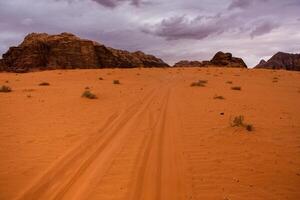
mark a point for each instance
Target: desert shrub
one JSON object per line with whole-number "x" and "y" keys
{"x": 219, "y": 97}
{"x": 44, "y": 84}
{"x": 89, "y": 95}
{"x": 249, "y": 127}
{"x": 275, "y": 79}
{"x": 100, "y": 78}
{"x": 229, "y": 82}
{"x": 200, "y": 83}
{"x": 5, "y": 88}
{"x": 238, "y": 121}
{"x": 236, "y": 88}
{"x": 116, "y": 82}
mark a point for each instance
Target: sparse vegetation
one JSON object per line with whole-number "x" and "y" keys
{"x": 219, "y": 97}
{"x": 236, "y": 88}
{"x": 229, "y": 82}
{"x": 5, "y": 89}
{"x": 200, "y": 83}
{"x": 116, "y": 82}
{"x": 100, "y": 78}
{"x": 238, "y": 121}
{"x": 89, "y": 95}
{"x": 44, "y": 84}
{"x": 275, "y": 79}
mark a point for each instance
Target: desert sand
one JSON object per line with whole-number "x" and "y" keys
{"x": 151, "y": 137}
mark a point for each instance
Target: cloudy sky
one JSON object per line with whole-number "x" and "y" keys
{"x": 170, "y": 29}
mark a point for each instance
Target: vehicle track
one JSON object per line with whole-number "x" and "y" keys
{"x": 59, "y": 178}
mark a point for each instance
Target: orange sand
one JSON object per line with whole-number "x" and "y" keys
{"x": 151, "y": 137}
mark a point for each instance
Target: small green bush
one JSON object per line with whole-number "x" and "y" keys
{"x": 5, "y": 89}
{"x": 89, "y": 95}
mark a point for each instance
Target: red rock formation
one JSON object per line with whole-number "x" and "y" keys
{"x": 66, "y": 51}
{"x": 226, "y": 60}
{"x": 281, "y": 61}
{"x": 186, "y": 63}
{"x": 220, "y": 60}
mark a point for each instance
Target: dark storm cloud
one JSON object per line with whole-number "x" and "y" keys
{"x": 240, "y": 4}
{"x": 263, "y": 28}
{"x": 114, "y": 3}
{"x": 183, "y": 28}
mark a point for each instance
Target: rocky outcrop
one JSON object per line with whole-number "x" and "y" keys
{"x": 282, "y": 60}
{"x": 261, "y": 63}
{"x": 40, "y": 51}
{"x": 186, "y": 63}
{"x": 219, "y": 60}
{"x": 227, "y": 60}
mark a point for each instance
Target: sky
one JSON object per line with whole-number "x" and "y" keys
{"x": 169, "y": 29}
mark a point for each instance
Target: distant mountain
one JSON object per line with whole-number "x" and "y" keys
{"x": 220, "y": 60}
{"x": 40, "y": 51}
{"x": 282, "y": 60}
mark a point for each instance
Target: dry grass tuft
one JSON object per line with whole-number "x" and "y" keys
{"x": 200, "y": 83}
{"x": 219, "y": 97}
{"x": 116, "y": 82}
{"x": 89, "y": 95}
{"x": 238, "y": 121}
{"x": 44, "y": 84}
{"x": 5, "y": 89}
{"x": 236, "y": 88}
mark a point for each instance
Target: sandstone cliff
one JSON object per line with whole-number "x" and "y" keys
{"x": 40, "y": 51}
{"x": 220, "y": 60}
{"x": 186, "y": 63}
{"x": 282, "y": 61}
{"x": 227, "y": 60}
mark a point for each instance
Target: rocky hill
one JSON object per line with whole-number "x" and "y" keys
{"x": 227, "y": 60}
{"x": 220, "y": 60}
{"x": 281, "y": 60}
{"x": 186, "y": 63}
{"x": 41, "y": 51}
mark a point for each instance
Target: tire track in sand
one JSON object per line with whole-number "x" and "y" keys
{"x": 58, "y": 180}
{"x": 159, "y": 173}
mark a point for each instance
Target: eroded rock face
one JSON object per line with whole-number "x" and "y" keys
{"x": 219, "y": 60}
{"x": 186, "y": 63}
{"x": 261, "y": 63}
{"x": 282, "y": 60}
{"x": 227, "y": 60}
{"x": 40, "y": 51}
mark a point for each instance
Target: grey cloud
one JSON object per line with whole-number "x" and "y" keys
{"x": 263, "y": 28}
{"x": 114, "y": 3}
{"x": 240, "y": 4}
{"x": 181, "y": 27}
{"x": 244, "y": 4}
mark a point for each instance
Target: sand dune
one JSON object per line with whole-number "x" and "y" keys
{"x": 151, "y": 137}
